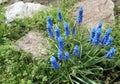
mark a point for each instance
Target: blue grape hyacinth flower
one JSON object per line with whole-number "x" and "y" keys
{"x": 110, "y": 53}
{"x": 53, "y": 59}
{"x": 49, "y": 21}
{"x": 106, "y": 36}
{"x": 108, "y": 31}
{"x": 60, "y": 43}
{"x": 92, "y": 35}
{"x": 50, "y": 32}
{"x": 96, "y": 38}
{"x": 57, "y": 31}
{"x": 104, "y": 39}
{"x": 80, "y": 16}
{"x": 66, "y": 27}
{"x": 100, "y": 25}
{"x": 54, "y": 63}
{"x": 99, "y": 28}
{"x": 73, "y": 30}
{"x": 109, "y": 41}
{"x": 60, "y": 55}
{"x": 76, "y": 51}
{"x": 67, "y": 56}
{"x": 59, "y": 15}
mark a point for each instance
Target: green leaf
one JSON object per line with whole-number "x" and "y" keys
{"x": 29, "y": 82}
{"x": 2, "y": 17}
{"x": 79, "y": 80}
{"x": 44, "y": 78}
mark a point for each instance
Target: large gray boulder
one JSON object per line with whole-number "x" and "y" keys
{"x": 21, "y": 10}
{"x": 34, "y": 43}
{"x": 95, "y": 11}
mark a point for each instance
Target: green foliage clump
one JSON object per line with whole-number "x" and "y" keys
{"x": 92, "y": 64}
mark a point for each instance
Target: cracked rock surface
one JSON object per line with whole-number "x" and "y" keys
{"x": 95, "y": 11}
{"x": 34, "y": 43}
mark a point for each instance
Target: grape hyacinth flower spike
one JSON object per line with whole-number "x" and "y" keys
{"x": 66, "y": 27}
{"x": 59, "y": 16}
{"x": 73, "y": 30}
{"x": 60, "y": 55}
{"x": 99, "y": 28}
{"x": 57, "y": 31}
{"x": 50, "y": 32}
{"x": 100, "y": 25}
{"x": 108, "y": 31}
{"x": 76, "y": 51}
{"x": 60, "y": 43}
{"x": 110, "y": 53}
{"x": 105, "y": 37}
{"x": 96, "y": 38}
{"x": 80, "y": 16}
{"x": 67, "y": 56}
{"x": 54, "y": 63}
{"x": 109, "y": 41}
{"x": 92, "y": 35}
{"x": 49, "y": 20}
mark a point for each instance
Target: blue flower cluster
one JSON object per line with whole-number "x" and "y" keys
{"x": 59, "y": 39}
{"x": 65, "y": 24}
{"x": 95, "y": 34}
{"x": 95, "y": 38}
{"x": 106, "y": 39}
{"x": 61, "y": 56}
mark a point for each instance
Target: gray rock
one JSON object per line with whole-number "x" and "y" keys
{"x": 34, "y": 43}
{"x": 117, "y": 82}
{"x": 2, "y": 1}
{"x": 95, "y": 11}
{"x": 21, "y": 10}
{"x": 35, "y": 1}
